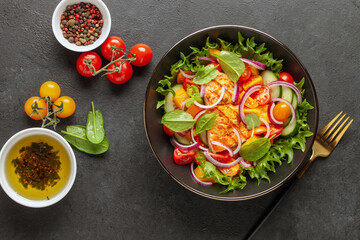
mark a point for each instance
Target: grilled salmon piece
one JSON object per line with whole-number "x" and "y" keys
{"x": 228, "y": 119}
{"x": 213, "y": 90}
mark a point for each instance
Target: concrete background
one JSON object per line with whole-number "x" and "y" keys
{"x": 125, "y": 194}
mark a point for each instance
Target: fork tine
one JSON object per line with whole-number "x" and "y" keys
{"x": 326, "y": 128}
{"x": 337, "y": 139}
{"x": 333, "y": 135}
{"x": 322, "y": 131}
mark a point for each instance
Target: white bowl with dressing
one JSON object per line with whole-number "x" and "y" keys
{"x": 31, "y": 197}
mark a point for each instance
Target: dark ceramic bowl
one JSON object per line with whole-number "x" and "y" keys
{"x": 160, "y": 143}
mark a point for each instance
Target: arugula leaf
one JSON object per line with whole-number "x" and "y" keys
{"x": 252, "y": 120}
{"x": 206, "y": 122}
{"x": 231, "y": 64}
{"x": 164, "y": 89}
{"x": 178, "y": 120}
{"x": 206, "y": 75}
{"x": 194, "y": 94}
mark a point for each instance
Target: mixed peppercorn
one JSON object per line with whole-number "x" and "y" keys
{"x": 37, "y": 166}
{"x": 81, "y": 23}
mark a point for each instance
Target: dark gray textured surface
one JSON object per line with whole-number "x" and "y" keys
{"x": 125, "y": 194}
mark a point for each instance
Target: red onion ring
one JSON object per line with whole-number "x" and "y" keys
{"x": 256, "y": 64}
{"x": 195, "y": 177}
{"x": 184, "y": 148}
{"x": 202, "y": 90}
{"x": 267, "y": 127}
{"x": 217, "y": 102}
{"x": 219, "y": 164}
{"x": 271, "y": 108}
{"x": 290, "y": 85}
{"x": 224, "y": 146}
{"x": 248, "y": 92}
{"x": 187, "y": 75}
{"x": 181, "y": 134}
{"x": 235, "y": 95}
{"x": 207, "y": 59}
{"x": 245, "y": 164}
{"x": 239, "y": 141}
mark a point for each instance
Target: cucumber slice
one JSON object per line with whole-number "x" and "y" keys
{"x": 294, "y": 100}
{"x": 182, "y": 140}
{"x": 287, "y": 94}
{"x": 203, "y": 138}
{"x": 275, "y": 91}
{"x": 291, "y": 129}
{"x": 169, "y": 99}
{"x": 268, "y": 77}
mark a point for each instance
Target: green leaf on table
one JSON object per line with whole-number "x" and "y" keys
{"x": 178, "y": 120}
{"x": 95, "y": 131}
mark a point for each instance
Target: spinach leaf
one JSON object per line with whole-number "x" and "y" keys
{"x": 194, "y": 94}
{"x": 206, "y": 75}
{"x": 95, "y": 131}
{"x": 178, "y": 120}
{"x": 76, "y": 136}
{"x": 252, "y": 120}
{"x": 255, "y": 150}
{"x": 206, "y": 122}
{"x": 231, "y": 64}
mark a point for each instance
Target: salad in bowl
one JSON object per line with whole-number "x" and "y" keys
{"x": 231, "y": 112}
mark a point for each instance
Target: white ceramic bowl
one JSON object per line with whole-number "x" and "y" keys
{"x": 5, "y": 151}
{"x": 71, "y": 46}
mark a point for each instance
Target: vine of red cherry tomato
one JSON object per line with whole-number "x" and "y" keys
{"x": 119, "y": 70}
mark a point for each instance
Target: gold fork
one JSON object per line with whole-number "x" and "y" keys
{"x": 325, "y": 142}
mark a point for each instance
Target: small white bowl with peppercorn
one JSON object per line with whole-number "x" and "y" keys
{"x": 81, "y": 26}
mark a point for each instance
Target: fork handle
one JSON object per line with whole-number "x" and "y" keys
{"x": 312, "y": 158}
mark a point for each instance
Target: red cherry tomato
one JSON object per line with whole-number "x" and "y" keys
{"x": 180, "y": 78}
{"x": 246, "y": 74}
{"x": 110, "y": 48}
{"x": 187, "y": 82}
{"x": 216, "y": 65}
{"x": 183, "y": 158}
{"x": 284, "y": 76}
{"x": 275, "y": 131}
{"x": 262, "y": 96}
{"x": 143, "y": 54}
{"x": 168, "y": 131}
{"x": 84, "y": 62}
{"x": 123, "y": 76}
{"x": 221, "y": 157}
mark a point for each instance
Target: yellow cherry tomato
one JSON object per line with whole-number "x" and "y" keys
{"x": 51, "y": 89}
{"x": 40, "y": 104}
{"x": 69, "y": 106}
{"x": 281, "y": 111}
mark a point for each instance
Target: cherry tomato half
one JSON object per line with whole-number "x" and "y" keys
{"x": 275, "y": 131}
{"x": 246, "y": 74}
{"x": 110, "y": 48}
{"x": 51, "y": 89}
{"x": 183, "y": 158}
{"x": 221, "y": 157}
{"x": 123, "y": 76}
{"x": 68, "y": 104}
{"x": 284, "y": 76}
{"x": 187, "y": 82}
{"x": 262, "y": 96}
{"x": 216, "y": 65}
{"x": 180, "y": 77}
{"x": 93, "y": 58}
{"x": 143, "y": 54}
{"x": 40, "y": 104}
{"x": 168, "y": 131}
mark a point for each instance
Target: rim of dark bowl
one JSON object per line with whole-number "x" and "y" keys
{"x": 307, "y": 151}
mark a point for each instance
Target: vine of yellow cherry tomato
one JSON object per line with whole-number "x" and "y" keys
{"x": 41, "y": 103}
{"x": 51, "y": 89}
{"x": 69, "y": 106}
